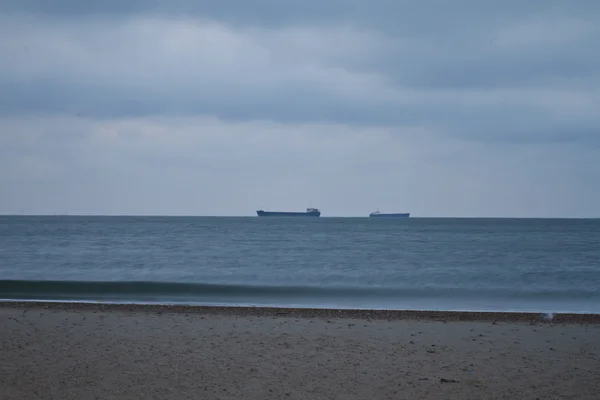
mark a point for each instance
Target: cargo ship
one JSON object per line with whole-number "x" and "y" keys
{"x": 377, "y": 214}
{"x": 310, "y": 212}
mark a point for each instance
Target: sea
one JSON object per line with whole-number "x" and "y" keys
{"x": 515, "y": 265}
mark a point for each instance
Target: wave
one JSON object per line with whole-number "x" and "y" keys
{"x": 141, "y": 288}
{"x": 198, "y": 292}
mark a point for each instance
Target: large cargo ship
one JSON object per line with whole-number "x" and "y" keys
{"x": 377, "y": 214}
{"x": 310, "y": 212}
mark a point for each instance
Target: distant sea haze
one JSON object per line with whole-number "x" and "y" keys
{"x": 538, "y": 265}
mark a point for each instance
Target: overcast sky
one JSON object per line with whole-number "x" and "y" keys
{"x": 438, "y": 108}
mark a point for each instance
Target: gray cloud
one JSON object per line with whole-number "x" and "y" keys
{"x": 341, "y": 98}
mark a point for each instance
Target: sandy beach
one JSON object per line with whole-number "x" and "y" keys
{"x": 69, "y": 351}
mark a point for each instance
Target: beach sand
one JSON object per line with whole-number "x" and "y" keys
{"x": 69, "y": 351}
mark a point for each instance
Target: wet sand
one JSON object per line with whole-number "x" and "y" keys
{"x": 71, "y": 351}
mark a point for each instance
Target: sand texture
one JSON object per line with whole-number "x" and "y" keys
{"x": 87, "y": 352}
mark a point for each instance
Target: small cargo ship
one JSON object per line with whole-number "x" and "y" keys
{"x": 377, "y": 214}
{"x": 310, "y": 212}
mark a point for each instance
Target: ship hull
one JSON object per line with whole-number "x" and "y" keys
{"x": 397, "y": 215}
{"x": 262, "y": 213}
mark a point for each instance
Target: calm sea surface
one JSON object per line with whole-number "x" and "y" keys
{"x": 437, "y": 264}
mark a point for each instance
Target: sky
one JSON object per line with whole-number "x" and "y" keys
{"x": 463, "y": 108}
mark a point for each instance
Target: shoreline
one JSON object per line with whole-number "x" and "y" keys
{"x": 442, "y": 316}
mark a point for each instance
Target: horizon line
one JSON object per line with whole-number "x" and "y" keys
{"x": 254, "y": 216}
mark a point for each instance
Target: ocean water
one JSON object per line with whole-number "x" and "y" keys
{"x": 418, "y": 263}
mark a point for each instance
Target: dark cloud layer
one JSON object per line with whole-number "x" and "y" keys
{"x": 440, "y": 49}
{"x": 397, "y": 13}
